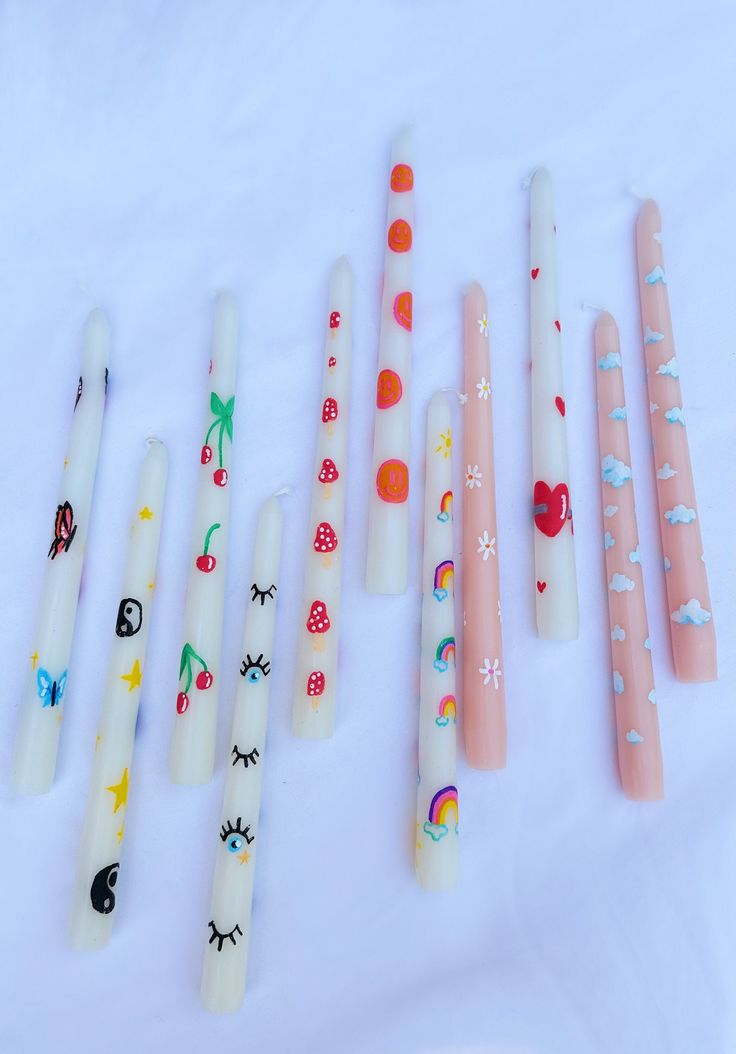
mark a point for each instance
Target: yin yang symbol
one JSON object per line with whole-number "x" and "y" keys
{"x": 130, "y": 617}
{"x": 101, "y": 894}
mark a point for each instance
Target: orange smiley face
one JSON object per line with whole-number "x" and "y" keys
{"x": 388, "y": 389}
{"x": 399, "y": 236}
{"x": 402, "y": 178}
{"x": 392, "y": 482}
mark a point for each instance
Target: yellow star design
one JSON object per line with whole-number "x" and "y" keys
{"x": 145, "y": 513}
{"x": 34, "y": 660}
{"x": 119, "y": 834}
{"x": 98, "y": 740}
{"x": 244, "y": 857}
{"x": 120, "y": 790}
{"x": 133, "y": 678}
{"x": 152, "y": 586}
{"x": 66, "y": 462}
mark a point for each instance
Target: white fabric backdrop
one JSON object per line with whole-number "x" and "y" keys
{"x": 152, "y": 153}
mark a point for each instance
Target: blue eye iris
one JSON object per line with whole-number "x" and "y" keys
{"x": 254, "y": 675}
{"x": 234, "y": 843}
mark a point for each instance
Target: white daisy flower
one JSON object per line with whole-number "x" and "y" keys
{"x": 473, "y": 477}
{"x": 483, "y": 326}
{"x": 484, "y": 388}
{"x": 486, "y": 545}
{"x": 490, "y": 671}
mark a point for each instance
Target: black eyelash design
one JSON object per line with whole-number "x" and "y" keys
{"x": 253, "y": 668}
{"x": 222, "y": 937}
{"x": 237, "y": 829}
{"x": 261, "y": 594}
{"x": 247, "y": 759}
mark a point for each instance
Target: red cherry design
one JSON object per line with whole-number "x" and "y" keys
{"x": 551, "y": 507}
{"x": 331, "y": 362}
{"x": 182, "y": 703}
{"x": 318, "y": 620}
{"x": 558, "y": 326}
{"x": 534, "y": 273}
{"x": 220, "y": 477}
{"x": 335, "y": 320}
{"x": 325, "y": 539}
{"x": 541, "y": 586}
{"x": 204, "y": 680}
{"x": 206, "y": 563}
{"x": 206, "y": 455}
{"x": 315, "y": 683}
{"x": 560, "y": 404}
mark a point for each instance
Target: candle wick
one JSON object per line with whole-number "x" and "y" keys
{"x": 637, "y": 193}
{"x": 527, "y": 180}
{"x": 150, "y": 440}
{"x": 281, "y": 491}
{"x": 590, "y": 305}
{"x": 461, "y": 397}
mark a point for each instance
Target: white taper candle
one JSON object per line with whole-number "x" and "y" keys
{"x": 228, "y": 929}
{"x": 37, "y": 739}
{"x": 315, "y": 689}
{"x": 436, "y": 853}
{"x": 388, "y": 524}
{"x": 99, "y": 861}
{"x": 554, "y": 553}
{"x": 193, "y": 745}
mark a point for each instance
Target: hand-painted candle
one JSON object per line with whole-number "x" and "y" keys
{"x": 228, "y": 927}
{"x": 554, "y": 555}
{"x": 436, "y": 853}
{"x": 37, "y": 739}
{"x": 97, "y": 875}
{"x": 193, "y": 745}
{"x": 691, "y": 621}
{"x": 637, "y": 724}
{"x": 388, "y": 525}
{"x": 484, "y": 710}
{"x": 316, "y": 669}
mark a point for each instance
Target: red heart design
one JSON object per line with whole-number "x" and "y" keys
{"x": 551, "y": 507}
{"x": 535, "y": 272}
{"x": 541, "y": 586}
{"x": 560, "y": 404}
{"x": 558, "y": 326}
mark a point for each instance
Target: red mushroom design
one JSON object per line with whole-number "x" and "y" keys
{"x": 327, "y": 475}
{"x": 329, "y": 413}
{"x": 315, "y": 686}
{"x": 331, "y": 363}
{"x": 318, "y": 623}
{"x": 335, "y": 320}
{"x": 325, "y": 542}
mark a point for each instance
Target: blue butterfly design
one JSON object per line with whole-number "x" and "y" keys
{"x": 50, "y": 692}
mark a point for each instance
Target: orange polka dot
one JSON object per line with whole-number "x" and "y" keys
{"x": 388, "y": 389}
{"x": 402, "y": 310}
{"x": 399, "y": 236}
{"x": 392, "y": 482}
{"x": 402, "y": 178}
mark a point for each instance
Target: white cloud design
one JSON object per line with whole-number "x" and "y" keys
{"x": 614, "y": 471}
{"x": 634, "y": 556}
{"x": 653, "y": 407}
{"x": 621, "y": 584}
{"x": 618, "y": 683}
{"x": 610, "y": 510}
{"x": 680, "y": 514}
{"x": 669, "y": 368}
{"x": 648, "y": 643}
{"x": 618, "y": 413}
{"x": 691, "y": 614}
{"x": 652, "y": 336}
{"x": 675, "y": 416}
{"x": 666, "y": 471}
{"x": 608, "y": 540}
{"x": 667, "y": 563}
{"x": 634, "y": 737}
{"x": 609, "y": 361}
{"x": 652, "y": 697}
{"x": 618, "y": 633}
{"x": 656, "y": 275}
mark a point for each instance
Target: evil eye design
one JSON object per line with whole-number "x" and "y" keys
{"x": 254, "y": 669}
{"x": 263, "y": 594}
{"x": 248, "y": 758}
{"x": 235, "y": 836}
{"x": 222, "y": 937}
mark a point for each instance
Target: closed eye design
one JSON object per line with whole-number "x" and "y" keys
{"x": 254, "y": 669}
{"x": 248, "y": 759}
{"x": 261, "y": 594}
{"x": 222, "y": 937}
{"x": 235, "y": 837}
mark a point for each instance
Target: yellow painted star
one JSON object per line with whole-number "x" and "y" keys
{"x": 152, "y": 586}
{"x": 145, "y": 513}
{"x": 133, "y": 678}
{"x": 244, "y": 857}
{"x": 34, "y": 660}
{"x": 119, "y": 833}
{"x": 66, "y": 462}
{"x": 120, "y": 790}
{"x": 445, "y": 444}
{"x": 98, "y": 739}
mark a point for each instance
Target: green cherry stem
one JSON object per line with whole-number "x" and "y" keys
{"x": 207, "y": 537}
{"x": 219, "y": 441}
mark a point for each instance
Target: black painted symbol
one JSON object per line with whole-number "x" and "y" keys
{"x": 101, "y": 894}
{"x": 130, "y": 617}
{"x": 222, "y": 937}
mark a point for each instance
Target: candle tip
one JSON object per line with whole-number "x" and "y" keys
{"x": 96, "y": 341}
{"x": 403, "y": 143}
{"x": 605, "y": 321}
{"x": 538, "y": 176}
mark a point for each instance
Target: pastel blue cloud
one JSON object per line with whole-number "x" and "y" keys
{"x": 633, "y": 736}
{"x": 651, "y": 336}
{"x": 669, "y": 368}
{"x": 680, "y": 514}
{"x": 608, "y": 540}
{"x": 621, "y": 584}
{"x": 675, "y": 416}
{"x": 634, "y": 556}
{"x": 648, "y": 643}
{"x": 618, "y": 683}
{"x": 614, "y": 471}
{"x": 691, "y": 614}
{"x": 435, "y": 830}
{"x": 666, "y": 471}
{"x": 652, "y": 697}
{"x": 667, "y": 563}
{"x": 609, "y": 361}
{"x": 618, "y": 633}
{"x": 618, "y": 413}
{"x": 655, "y": 275}
{"x": 610, "y": 510}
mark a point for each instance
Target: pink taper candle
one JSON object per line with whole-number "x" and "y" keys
{"x": 637, "y": 724}
{"x": 483, "y": 675}
{"x": 691, "y": 621}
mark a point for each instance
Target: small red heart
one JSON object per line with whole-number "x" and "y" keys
{"x": 558, "y": 326}
{"x": 560, "y": 404}
{"x": 551, "y": 507}
{"x": 541, "y": 586}
{"x": 535, "y": 272}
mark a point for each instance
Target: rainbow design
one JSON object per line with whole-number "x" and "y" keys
{"x": 445, "y": 652}
{"x": 444, "y": 578}
{"x": 442, "y": 812}
{"x": 445, "y": 512}
{"x": 446, "y": 711}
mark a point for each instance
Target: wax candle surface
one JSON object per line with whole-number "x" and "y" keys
{"x": 315, "y": 690}
{"x": 484, "y": 710}
{"x": 692, "y": 630}
{"x": 42, "y": 708}
{"x": 97, "y": 890}
{"x": 554, "y": 556}
{"x": 634, "y": 697}
{"x": 193, "y": 745}
{"x": 388, "y": 524}
{"x": 228, "y": 928}
{"x": 436, "y": 853}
